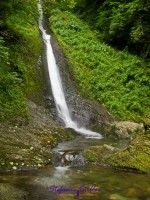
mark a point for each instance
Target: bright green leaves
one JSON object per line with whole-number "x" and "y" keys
{"x": 11, "y": 96}
{"x": 62, "y": 4}
{"x": 19, "y": 47}
{"x": 117, "y": 79}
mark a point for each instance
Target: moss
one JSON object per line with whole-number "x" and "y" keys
{"x": 9, "y": 192}
{"x": 90, "y": 156}
{"x": 98, "y": 153}
{"x": 135, "y": 156}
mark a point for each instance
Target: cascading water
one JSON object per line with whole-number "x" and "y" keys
{"x": 57, "y": 88}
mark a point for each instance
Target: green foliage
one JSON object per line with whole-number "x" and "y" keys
{"x": 120, "y": 23}
{"x": 118, "y": 79}
{"x": 11, "y": 96}
{"x": 24, "y": 54}
{"x": 19, "y": 53}
{"x": 62, "y": 4}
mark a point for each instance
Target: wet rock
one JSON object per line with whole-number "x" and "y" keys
{"x": 72, "y": 158}
{"x": 79, "y": 160}
{"x": 32, "y": 105}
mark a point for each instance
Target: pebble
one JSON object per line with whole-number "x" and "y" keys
{"x": 14, "y": 167}
{"x": 109, "y": 147}
{"x": 31, "y": 148}
{"x": 11, "y": 163}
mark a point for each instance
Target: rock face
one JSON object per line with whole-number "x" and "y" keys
{"x": 125, "y": 129}
{"x": 27, "y": 145}
{"x": 71, "y": 158}
{"x": 87, "y": 113}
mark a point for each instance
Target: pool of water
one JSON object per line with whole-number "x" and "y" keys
{"x": 97, "y": 182}
{"x": 110, "y": 183}
{"x": 80, "y": 143}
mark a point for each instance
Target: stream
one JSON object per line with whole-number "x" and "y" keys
{"x": 71, "y": 177}
{"x": 111, "y": 184}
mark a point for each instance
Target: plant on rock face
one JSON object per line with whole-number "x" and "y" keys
{"x": 116, "y": 78}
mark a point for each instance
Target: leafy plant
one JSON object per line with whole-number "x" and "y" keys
{"x": 116, "y": 78}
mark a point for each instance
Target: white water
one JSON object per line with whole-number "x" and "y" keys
{"x": 57, "y": 88}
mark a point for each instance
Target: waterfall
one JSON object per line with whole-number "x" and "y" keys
{"x": 56, "y": 85}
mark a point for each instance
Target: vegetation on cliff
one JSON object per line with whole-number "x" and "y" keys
{"x": 118, "y": 79}
{"x": 122, "y": 24}
{"x": 20, "y": 47}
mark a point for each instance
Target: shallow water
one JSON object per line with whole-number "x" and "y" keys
{"x": 110, "y": 182}
{"x": 80, "y": 143}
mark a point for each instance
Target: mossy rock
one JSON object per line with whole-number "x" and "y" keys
{"x": 26, "y": 148}
{"x": 135, "y": 156}
{"x": 99, "y": 154}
